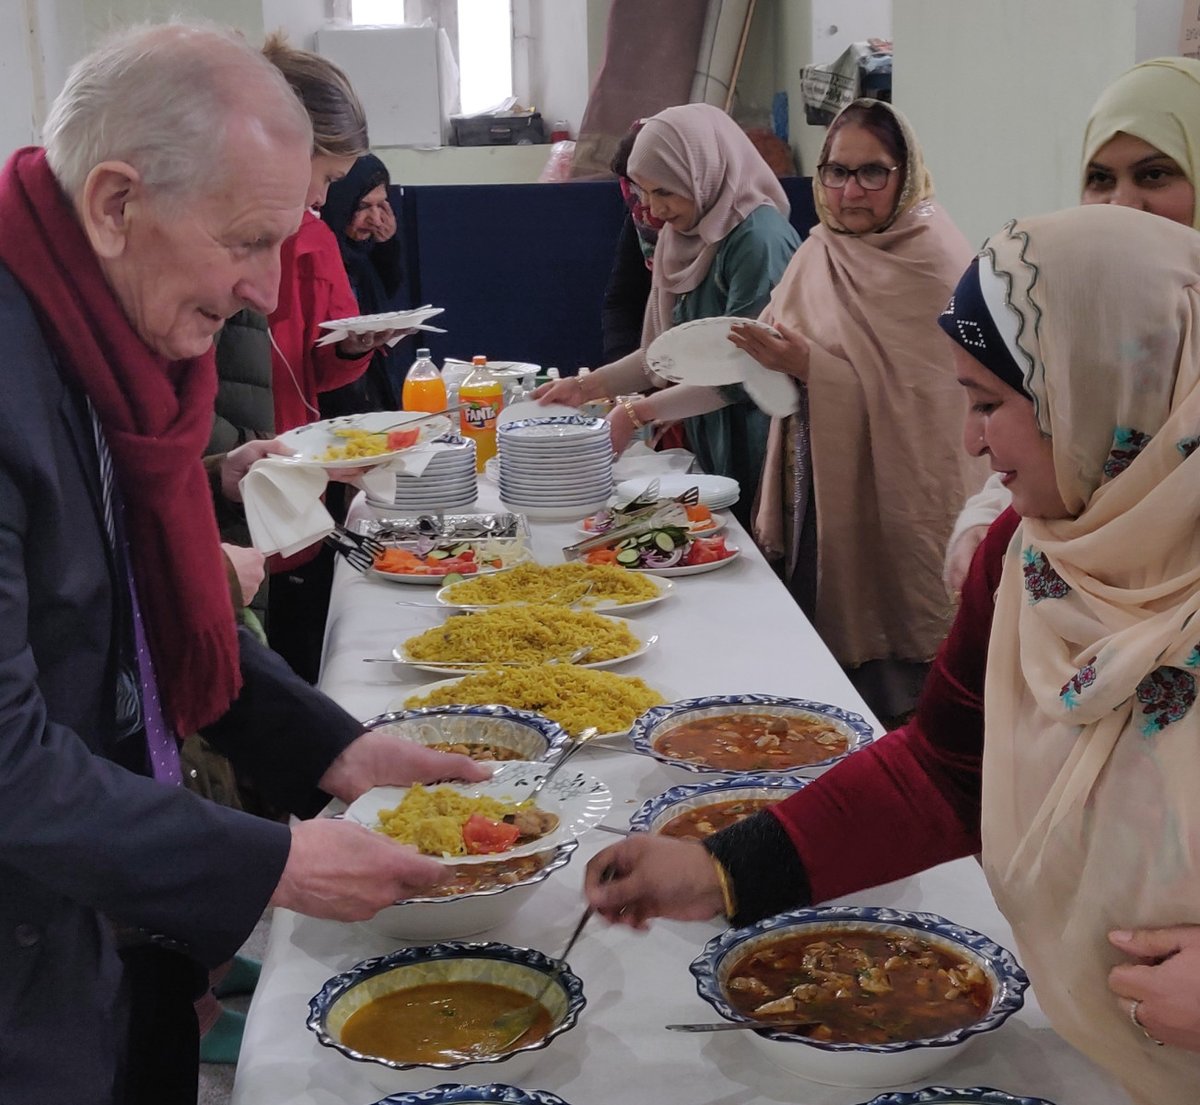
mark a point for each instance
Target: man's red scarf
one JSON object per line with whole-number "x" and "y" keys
{"x": 157, "y": 417}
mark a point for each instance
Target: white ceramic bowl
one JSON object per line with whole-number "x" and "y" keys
{"x": 494, "y": 1093}
{"x": 846, "y": 1064}
{"x": 472, "y": 912}
{"x": 650, "y": 728}
{"x": 531, "y": 735}
{"x": 656, "y": 812}
{"x": 522, "y": 969}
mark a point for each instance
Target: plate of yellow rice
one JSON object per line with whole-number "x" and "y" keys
{"x": 431, "y": 818}
{"x": 358, "y": 440}
{"x": 574, "y": 697}
{"x": 600, "y": 587}
{"x": 531, "y": 634}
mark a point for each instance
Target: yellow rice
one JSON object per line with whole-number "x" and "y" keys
{"x": 574, "y": 697}
{"x": 527, "y": 634}
{"x": 433, "y": 820}
{"x": 555, "y": 582}
{"x": 359, "y": 443}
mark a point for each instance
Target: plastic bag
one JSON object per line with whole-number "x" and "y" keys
{"x": 558, "y": 165}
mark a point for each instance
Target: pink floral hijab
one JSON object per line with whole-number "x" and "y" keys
{"x": 698, "y": 151}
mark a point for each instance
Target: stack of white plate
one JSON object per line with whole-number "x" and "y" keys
{"x": 556, "y": 468}
{"x": 716, "y": 492}
{"x": 448, "y": 482}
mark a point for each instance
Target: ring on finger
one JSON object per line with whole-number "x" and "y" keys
{"x": 1133, "y": 1016}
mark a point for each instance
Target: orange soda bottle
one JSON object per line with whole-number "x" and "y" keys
{"x": 423, "y": 387}
{"x": 483, "y": 396}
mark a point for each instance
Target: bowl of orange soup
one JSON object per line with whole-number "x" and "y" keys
{"x": 886, "y": 996}
{"x": 697, "y": 810}
{"x": 436, "y": 1007}
{"x": 750, "y": 734}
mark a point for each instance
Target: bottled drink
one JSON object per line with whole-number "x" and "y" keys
{"x": 423, "y": 386}
{"x": 454, "y": 372}
{"x": 484, "y": 395}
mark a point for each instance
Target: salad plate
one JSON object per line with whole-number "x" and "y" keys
{"x": 314, "y": 442}
{"x": 579, "y": 800}
{"x": 695, "y": 569}
{"x": 700, "y": 352}
{"x": 706, "y": 527}
{"x": 716, "y": 492}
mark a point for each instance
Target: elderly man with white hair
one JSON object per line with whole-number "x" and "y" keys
{"x": 176, "y": 161}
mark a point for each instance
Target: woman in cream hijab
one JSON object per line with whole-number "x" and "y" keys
{"x": 858, "y": 504}
{"x": 1078, "y": 342}
{"x": 1141, "y": 149}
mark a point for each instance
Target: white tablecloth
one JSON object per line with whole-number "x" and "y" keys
{"x": 733, "y": 630}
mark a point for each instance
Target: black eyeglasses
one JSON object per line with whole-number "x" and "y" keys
{"x": 871, "y": 177}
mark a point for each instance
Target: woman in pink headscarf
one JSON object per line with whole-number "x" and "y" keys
{"x": 724, "y": 245}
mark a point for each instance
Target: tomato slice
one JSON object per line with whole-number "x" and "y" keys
{"x": 705, "y": 550}
{"x": 482, "y": 835}
{"x": 402, "y": 439}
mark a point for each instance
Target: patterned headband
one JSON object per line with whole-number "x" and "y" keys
{"x": 968, "y": 320}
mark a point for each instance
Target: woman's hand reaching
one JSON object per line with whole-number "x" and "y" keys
{"x": 788, "y": 353}
{"x": 568, "y": 392}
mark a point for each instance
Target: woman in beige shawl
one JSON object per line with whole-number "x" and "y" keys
{"x": 880, "y": 446}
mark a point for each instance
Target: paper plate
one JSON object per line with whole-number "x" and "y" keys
{"x": 580, "y": 801}
{"x": 700, "y": 352}
{"x": 310, "y": 442}
{"x": 338, "y": 328}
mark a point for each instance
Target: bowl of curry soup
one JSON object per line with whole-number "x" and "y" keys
{"x": 750, "y": 734}
{"x": 493, "y": 733}
{"x": 888, "y": 996}
{"x": 434, "y": 1007}
{"x": 697, "y": 810}
{"x": 494, "y": 1093}
{"x": 944, "y": 1095}
{"x": 477, "y": 898}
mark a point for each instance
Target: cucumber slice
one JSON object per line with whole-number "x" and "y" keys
{"x": 438, "y": 554}
{"x": 628, "y": 556}
{"x": 459, "y": 549}
{"x": 453, "y": 577}
{"x": 626, "y": 543}
{"x": 664, "y": 541}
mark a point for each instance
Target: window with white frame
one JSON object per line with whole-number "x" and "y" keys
{"x": 480, "y": 33}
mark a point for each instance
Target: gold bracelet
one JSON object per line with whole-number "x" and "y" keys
{"x": 627, "y": 402}
{"x": 728, "y": 902}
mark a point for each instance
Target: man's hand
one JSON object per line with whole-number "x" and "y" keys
{"x": 341, "y": 871}
{"x": 236, "y": 463}
{"x": 377, "y": 759}
{"x": 249, "y": 565}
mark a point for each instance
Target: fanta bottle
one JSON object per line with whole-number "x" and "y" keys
{"x": 423, "y": 387}
{"x": 483, "y": 397}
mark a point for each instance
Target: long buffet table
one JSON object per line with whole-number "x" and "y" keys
{"x": 732, "y": 630}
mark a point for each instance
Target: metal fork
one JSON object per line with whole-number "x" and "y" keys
{"x": 359, "y": 550}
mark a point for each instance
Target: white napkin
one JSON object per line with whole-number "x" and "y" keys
{"x": 283, "y": 505}
{"x": 640, "y": 460}
{"x": 380, "y": 482}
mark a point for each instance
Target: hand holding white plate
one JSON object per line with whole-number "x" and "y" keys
{"x": 579, "y": 800}
{"x": 700, "y": 352}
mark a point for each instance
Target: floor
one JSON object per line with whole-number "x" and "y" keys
{"x": 216, "y": 1082}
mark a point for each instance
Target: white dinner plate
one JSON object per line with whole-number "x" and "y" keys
{"x": 539, "y": 512}
{"x": 693, "y": 569}
{"x": 311, "y": 441}
{"x": 580, "y": 801}
{"x": 700, "y": 352}
{"x": 643, "y": 634}
{"x": 416, "y": 319}
{"x": 579, "y": 429}
{"x": 605, "y": 606}
{"x": 713, "y": 525}
{"x": 506, "y": 370}
{"x": 775, "y": 393}
{"x": 715, "y": 491}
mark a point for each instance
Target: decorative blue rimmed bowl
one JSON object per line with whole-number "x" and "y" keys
{"x": 532, "y": 736}
{"x": 649, "y": 729}
{"x": 944, "y": 1095}
{"x": 655, "y": 813}
{"x": 523, "y": 969}
{"x": 846, "y": 1064}
{"x": 494, "y": 1093}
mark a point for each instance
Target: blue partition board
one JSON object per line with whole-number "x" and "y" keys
{"x": 521, "y": 268}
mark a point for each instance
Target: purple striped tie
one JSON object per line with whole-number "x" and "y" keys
{"x": 160, "y": 741}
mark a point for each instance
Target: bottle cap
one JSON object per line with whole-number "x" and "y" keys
{"x": 552, "y": 374}
{"x": 478, "y": 360}
{"x": 422, "y": 353}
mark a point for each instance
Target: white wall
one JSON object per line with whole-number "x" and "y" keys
{"x": 17, "y": 81}
{"x": 999, "y": 93}
{"x": 1158, "y": 28}
{"x": 559, "y": 70}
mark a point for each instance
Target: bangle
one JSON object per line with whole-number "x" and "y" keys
{"x": 728, "y": 902}
{"x": 627, "y": 402}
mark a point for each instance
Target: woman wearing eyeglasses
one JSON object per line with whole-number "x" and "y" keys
{"x": 861, "y": 489}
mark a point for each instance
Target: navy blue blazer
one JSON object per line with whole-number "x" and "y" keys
{"x": 86, "y": 838}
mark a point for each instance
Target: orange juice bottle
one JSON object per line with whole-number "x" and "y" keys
{"x": 423, "y": 387}
{"x": 483, "y": 396}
